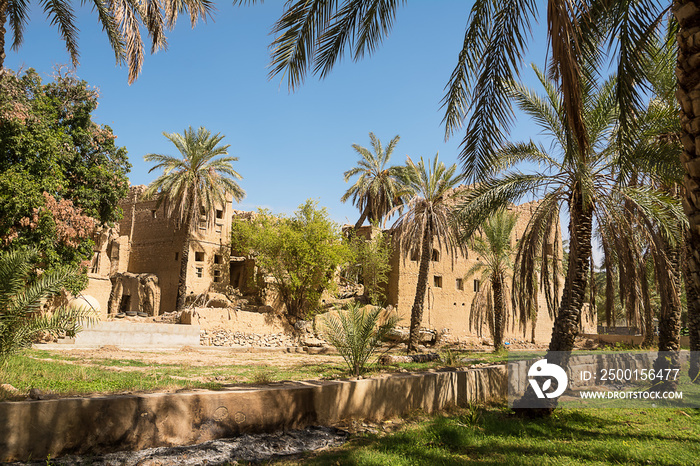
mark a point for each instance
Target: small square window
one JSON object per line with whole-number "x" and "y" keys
{"x": 477, "y": 285}
{"x": 177, "y": 255}
{"x": 435, "y": 257}
{"x": 199, "y": 272}
{"x": 414, "y": 255}
{"x": 153, "y": 213}
{"x": 219, "y": 214}
{"x": 217, "y": 276}
{"x": 437, "y": 281}
{"x": 459, "y": 284}
{"x": 199, "y": 256}
{"x": 218, "y": 259}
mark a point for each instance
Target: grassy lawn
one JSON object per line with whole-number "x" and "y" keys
{"x": 65, "y": 373}
{"x": 494, "y": 436}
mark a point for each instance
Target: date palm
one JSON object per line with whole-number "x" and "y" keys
{"x": 425, "y": 218}
{"x": 196, "y": 180}
{"x": 377, "y": 189}
{"x": 588, "y": 183}
{"x": 120, "y": 19}
{"x": 493, "y": 246}
{"x": 23, "y": 292}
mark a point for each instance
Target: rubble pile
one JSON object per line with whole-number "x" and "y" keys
{"x": 224, "y": 337}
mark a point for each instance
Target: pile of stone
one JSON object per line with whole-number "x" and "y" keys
{"x": 223, "y": 337}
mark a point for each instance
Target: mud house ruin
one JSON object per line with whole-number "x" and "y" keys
{"x": 136, "y": 268}
{"x": 136, "y": 265}
{"x": 449, "y": 296}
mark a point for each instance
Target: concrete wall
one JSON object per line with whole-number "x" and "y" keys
{"x": 138, "y": 335}
{"x": 628, "y": 339}
{"x": 35, "y": 429}
{"x": 449, "y": 308}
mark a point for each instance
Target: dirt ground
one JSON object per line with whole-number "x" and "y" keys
{"x": 200, "y": 357}
{"x": 208, "y": 356}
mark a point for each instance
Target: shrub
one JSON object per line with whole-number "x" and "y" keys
{"x": 370, "y": 264}
{"x": 22, "y": 293}
{"x": 356, "y": 333}
{"x": 301, "y": 254}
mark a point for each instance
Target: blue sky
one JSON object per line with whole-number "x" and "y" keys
{"x": 292, "y": 146}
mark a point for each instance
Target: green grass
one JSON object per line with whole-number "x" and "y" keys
{"x": 65, "y": 374}
{"x": 494, "y": 436}
{"x": 72, "y": 379}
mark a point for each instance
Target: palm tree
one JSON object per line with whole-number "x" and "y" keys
{"x": 588, "y": 181}
{"x": 315, "y": 34}
{"x": 495, "y": 250}
{"x": 23, "y": 292}
{"x": 121, "y": 21}
{"x": 426, "y": 216}
{"x": 376, "y": 190}
{"x": 197, "y": 180}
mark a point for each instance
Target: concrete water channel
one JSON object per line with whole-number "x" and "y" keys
{"x": 37, "y": 429}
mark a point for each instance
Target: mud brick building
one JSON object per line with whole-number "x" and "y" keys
{"x": 136, "y": 268}
{"x": 450, "y": 294}
{"x": 143, "y": 252}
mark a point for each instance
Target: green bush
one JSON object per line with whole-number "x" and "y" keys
{"x": 370, "y": 264}
{"x": 301, "y": 253}
{"x": 356, "y": 333}
{"x": 23, "y": 292}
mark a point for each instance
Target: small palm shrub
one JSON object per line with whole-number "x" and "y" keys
{"x": 356, "y": 333}
{"x": 23, "y": 292}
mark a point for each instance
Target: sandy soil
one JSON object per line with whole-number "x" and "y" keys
{"x": 205, "y": 356}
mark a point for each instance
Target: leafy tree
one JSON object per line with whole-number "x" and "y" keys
{"x": 430, "y": 190}
{"x": 23, "y": 292}
{"x": 121, "y": 21}
{"x": 357, "y": 333}
{"x": 197, "y": 181}
{"x": 301, "y": 253}
{"x": 59, "y": 170}
{"x": 494, "y": 248}
{"x": 377, "y": 189}
{"x": 370, "y": 263}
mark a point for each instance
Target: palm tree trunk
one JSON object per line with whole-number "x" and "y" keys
{"x": 648, "y": 315}
{"x": 691, "y": 293}
{"x": 497, "y": 285}
{"x": 609, "y": 288}
{"x": 362, "y": 218}
{"x": 421, "y": 287}
{"x": 688, "y": 15}
{"x": 184, "y": 260}
{"x": 568, "y": 319}
{"x": 592, "y": 288}
{"x": 669, "y": 317}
